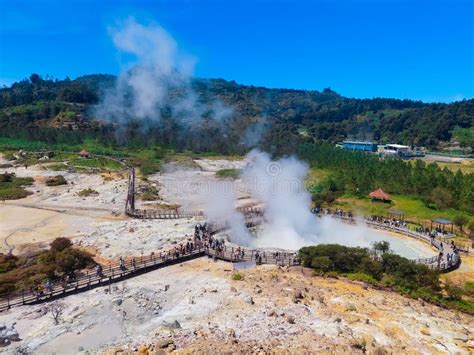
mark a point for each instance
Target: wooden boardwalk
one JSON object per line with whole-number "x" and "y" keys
{"x": 113, "y": 273}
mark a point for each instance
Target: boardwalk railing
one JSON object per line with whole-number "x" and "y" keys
{"x": 434, "y": 262}
{"x": 234, "y": 254}
{"x": 112, "y": 272}
{"x": 90, "y": 278}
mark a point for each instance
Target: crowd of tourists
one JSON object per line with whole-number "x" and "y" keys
{"x": 389, "y": 222}
{"x": 331, "y": 212}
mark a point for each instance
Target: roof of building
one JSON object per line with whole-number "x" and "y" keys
{"x": 380, "y": 194}
{"x": 397, "y": 146}
{"x": 442, "y": 221}
{"x": 357, "y": 142}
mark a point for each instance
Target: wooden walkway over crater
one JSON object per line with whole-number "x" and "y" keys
{"x": 112, "y": 273}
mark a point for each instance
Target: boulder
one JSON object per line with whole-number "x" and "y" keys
{"x": 7, "y": 335}
{"x": 272, "y": 313}
{"x": 163, "y": 343}
{"x": 117, "y": 301}
{"x": 174, "y": 325}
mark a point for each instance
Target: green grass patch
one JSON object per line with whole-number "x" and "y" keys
{"x": 97, "y": 163}
{"x": 12, "y": 187}
{"x": 58, "y": 167}
{"x": 363, "y": 277}
{"x": 228, "y": 173}
{"x": 415, "y": 209}
{"x": 469, "y": 288}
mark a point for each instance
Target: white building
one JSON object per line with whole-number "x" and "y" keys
{"x": 394, "y": 150}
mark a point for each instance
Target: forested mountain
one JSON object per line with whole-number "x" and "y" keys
{"x": 63, "y": 111}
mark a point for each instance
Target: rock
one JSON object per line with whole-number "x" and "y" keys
{"x": 298, "y": 295}
{"x": 425, "y": 331}
{"x": 143, "y": 350}
{"x": 163, "y": 344}
{"x": 231, "y": 333}
{"x": 338, "y": 320}
{"x": 272, "y": 313}
{"x": 290, "y": 319}
{"x": 377, "y": 300}
{"x": 174, "y": 325}
{"x": 117, "y": 301}
{"x": 462, "y": 337}
{"x": 233, "y": 289}
{"x": 350, "y": 307}
{"x": 249, "y": 300}
{"x": 214, "y": 290}
{"x": 7, "y": 335}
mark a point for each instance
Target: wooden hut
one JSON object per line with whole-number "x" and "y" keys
{"x": 380, "y": 195}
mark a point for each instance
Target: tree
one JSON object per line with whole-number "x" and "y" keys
{"x": 35, "y": 78}
{"x": 460, "y": 221}
{"x": 441, "y": 198}
{"x": 69, "y": 260}
{"x": 59, "y": 244}
{"x": 321, "y": 263}
{"x": 56, "y": 309}
{"x": 381, "y": 247}
{"x": 471, "y": 229}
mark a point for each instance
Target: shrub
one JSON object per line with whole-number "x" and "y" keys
{"x": 87, "y": 192}
{"x": 13, "y": 193}
{"x": 6, "y": 177}
{"x": 454, "y": 293}
{"x": 343, "y": 259}
{"x": 321, "y": 263}
{"x": 360, "y": 276}
{"x": 237, "y": 276}
{"x": 59, "y": 244}
{"x": 469, "y": 288}
{"x": 70, "y": 260}
{"x": 7, "y": 262}
{"x": 56, "y": 181}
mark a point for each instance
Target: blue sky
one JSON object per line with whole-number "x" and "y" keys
{"x": 360, "y": 48}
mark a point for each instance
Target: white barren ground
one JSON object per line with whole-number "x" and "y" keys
{"x": 216, "y": 314}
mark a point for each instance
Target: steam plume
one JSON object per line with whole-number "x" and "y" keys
{"x": 158, "y": 78}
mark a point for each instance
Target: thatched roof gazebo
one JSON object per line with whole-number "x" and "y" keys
{"x": 380, "y": 195}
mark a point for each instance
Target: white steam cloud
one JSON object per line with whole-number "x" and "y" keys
{"x": 158, "y": 77}
{"x": 289, "y": 223}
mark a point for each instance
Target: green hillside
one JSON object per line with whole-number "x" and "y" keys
{"x": 62, "y": 111}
